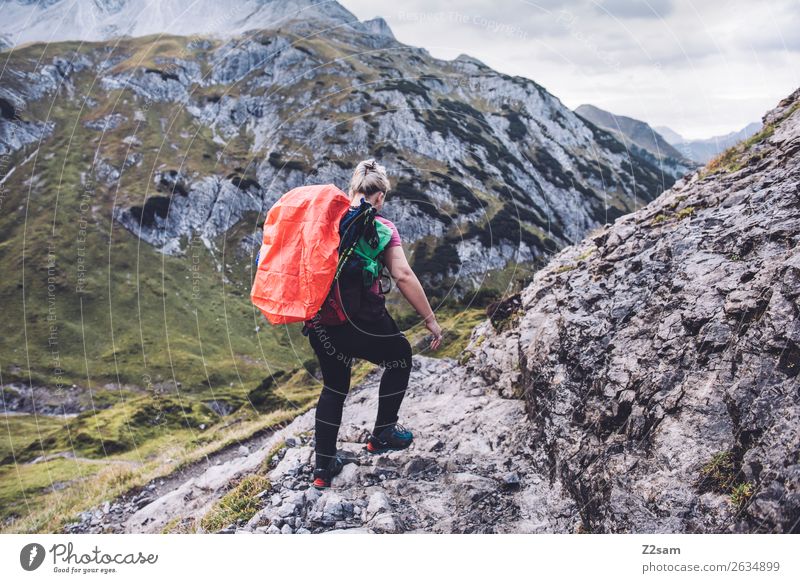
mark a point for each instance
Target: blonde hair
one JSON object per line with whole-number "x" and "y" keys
{"x": 369, "y": 177}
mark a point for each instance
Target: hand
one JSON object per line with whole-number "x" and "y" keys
{"x": 436, "y": 331}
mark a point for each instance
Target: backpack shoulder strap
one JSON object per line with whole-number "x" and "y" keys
{"x": 351, "y": 230}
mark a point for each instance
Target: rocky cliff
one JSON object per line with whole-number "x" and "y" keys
{"x": 645, "y": 381}
{"x": 658, "y": 359}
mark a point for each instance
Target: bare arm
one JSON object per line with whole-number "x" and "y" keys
{"x": 410, "y": 287}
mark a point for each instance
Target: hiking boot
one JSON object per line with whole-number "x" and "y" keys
{"x": 324, "y": 476}
{"x": 390, "y": 438}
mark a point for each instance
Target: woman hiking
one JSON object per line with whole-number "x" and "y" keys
{"x": 371, "y": 334}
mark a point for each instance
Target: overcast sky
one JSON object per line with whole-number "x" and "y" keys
{"x": 703, "y": 68}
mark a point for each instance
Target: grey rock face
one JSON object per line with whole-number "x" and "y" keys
{"x": 151, "y": 84}
{"x": 22, "y": 398}
{"x": 211, "y": 206}
{"x": 659, "y": 358}
{"x": 17, "y": 130}
{"x": 16, "y": 134}
{"x": 235, "y": 60}
{"x": 380, "y": 34}
{"x": 379, "y": 27}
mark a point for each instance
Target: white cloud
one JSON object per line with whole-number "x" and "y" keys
{"x": 636, "y": 8}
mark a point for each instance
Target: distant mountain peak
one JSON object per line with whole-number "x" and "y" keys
{"x": 464, "y": 58}
{"x": 27, "y": 21}
{"x": 702, "y": 150}
{"x": 669, "y": 134}
{"x": 378, "y": 26}
{"x": 638, "y": 134}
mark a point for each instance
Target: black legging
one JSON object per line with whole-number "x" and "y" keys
{"x": 379, "y": 342}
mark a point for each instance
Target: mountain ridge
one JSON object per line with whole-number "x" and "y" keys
{"x": 594, "y": 191}
{"x": 639, "y": 134}
{"x": 703, "y": 150}
{"x": 100, "y": 20}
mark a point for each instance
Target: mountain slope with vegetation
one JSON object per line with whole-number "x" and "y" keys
{"x": 645, "y": 381}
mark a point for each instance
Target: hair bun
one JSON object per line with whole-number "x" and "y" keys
{"x": 369, "y": 177}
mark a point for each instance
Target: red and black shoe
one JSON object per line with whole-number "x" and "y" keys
{"x": 324, "y": 476}
{"x": 392, "y": 438}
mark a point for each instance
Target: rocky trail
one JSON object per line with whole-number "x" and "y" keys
{"x": 113, "y": 514}
{"x": 465, "y": 472}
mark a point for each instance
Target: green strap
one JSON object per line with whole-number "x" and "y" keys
{"x": 372, "y": 268}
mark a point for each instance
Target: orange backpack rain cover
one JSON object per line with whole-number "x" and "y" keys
{"x": 299, "y": 253}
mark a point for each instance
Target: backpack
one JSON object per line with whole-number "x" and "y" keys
{"x": 298, "y": 258}
{"x": 363, "y": 240}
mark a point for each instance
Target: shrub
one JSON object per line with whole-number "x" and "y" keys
{"x": 659, "y": 218}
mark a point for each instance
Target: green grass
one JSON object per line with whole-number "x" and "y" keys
{"x": 679, "y": 215}
{"x": 740, "y": 494}
{"x": 23, "y": 487}
{"x": 659, "y": 218}
{"x": 18, "y": 432}
{"x": 123, "y": 428}
{"x": 565, "y": 268}
{"x": 718, "y": 474}
{"x": 267, "y": 461}
{"x": 140, "y": 320}
{"x": 32, "y": 499}
{"x": 238, "y": 505}
{"x": 456, "y": 326}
